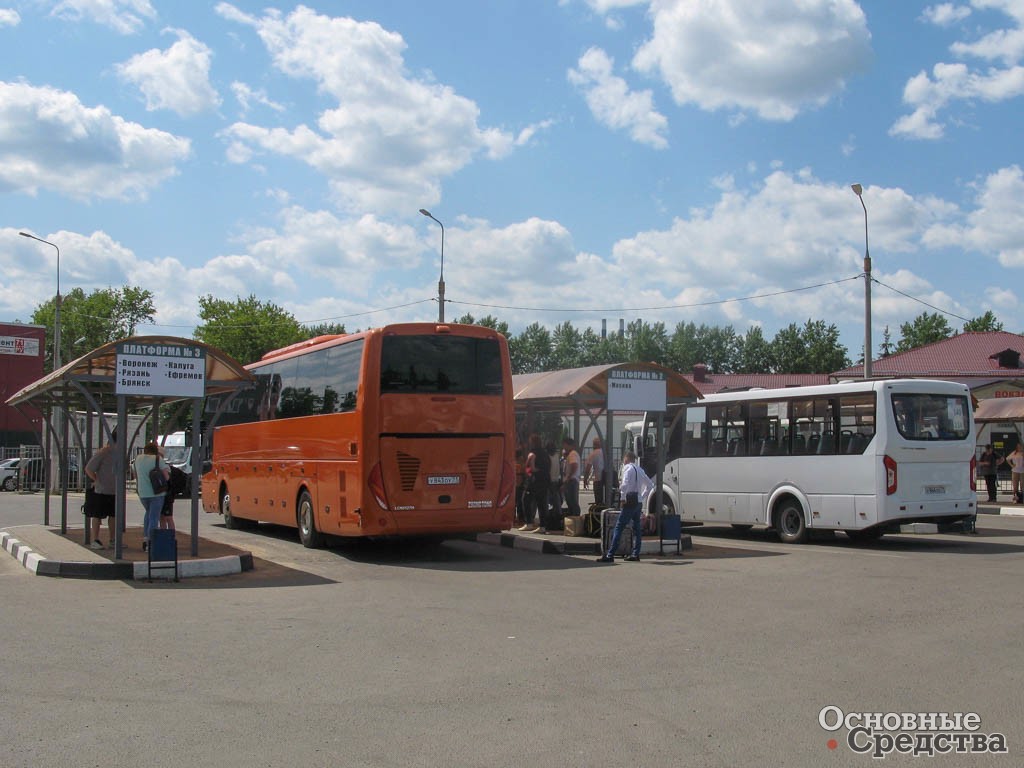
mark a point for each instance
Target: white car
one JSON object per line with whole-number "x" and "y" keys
{"x": 9, "y": 474}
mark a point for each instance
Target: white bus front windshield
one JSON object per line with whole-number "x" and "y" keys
{"x": 931, "y": 417}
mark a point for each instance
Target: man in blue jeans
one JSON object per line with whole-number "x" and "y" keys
{"x": 633, "y": 485}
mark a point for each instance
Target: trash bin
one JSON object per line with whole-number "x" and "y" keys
{"x": 671, "y": 531}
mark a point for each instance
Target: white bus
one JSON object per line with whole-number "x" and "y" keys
{"x": 862, "y": 457}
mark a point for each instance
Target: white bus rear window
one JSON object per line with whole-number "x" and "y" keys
{"x": 931, "y": 417}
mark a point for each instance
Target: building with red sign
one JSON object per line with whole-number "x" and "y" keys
{"x": 22, "y": 352}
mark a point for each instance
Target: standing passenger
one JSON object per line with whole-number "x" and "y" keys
{"x": 100, "y": 470}
{"x": 152, "y": 501}
{"x": 571, "y": 477}
{"x": 634, "y": 486}
{"x": 988, "y": 467}
{"x": 1016, "y": 462}
{"x": 595, "y": 466}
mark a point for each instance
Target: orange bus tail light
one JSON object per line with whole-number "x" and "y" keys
{"x": 376, "y": 483}
{"x": 508, "y": 484}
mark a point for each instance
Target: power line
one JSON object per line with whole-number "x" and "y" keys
{"x": 921, "y": 301}
{"x": 653, "y": 309}
{"x": 303, "y": 322}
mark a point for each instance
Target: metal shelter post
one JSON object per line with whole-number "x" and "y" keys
{"x": 120, "y": 473}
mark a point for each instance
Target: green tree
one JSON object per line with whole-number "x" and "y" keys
{"x": 566, "y": 347}
{"x": 647, "y": 343}
{"x": 926, "y": 328}
{"x": 324, "y": 329}
{"x": 755, "y": 352}
{"x": 246, "y": 328}
{"x": 986, "y": 322}
{"x": 683, "y": 348}
{"x": 531, "y": 350}
{"x": 789, "y": 351}
{"x": 90, "y": 320}
{"x": 814, "y": 348}
{"x": 719, "y": 348}
{"x": 824, "y": 352}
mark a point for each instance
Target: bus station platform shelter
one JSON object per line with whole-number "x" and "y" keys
{"x": 134, "y": 375}
{"x": 585, "y": 395}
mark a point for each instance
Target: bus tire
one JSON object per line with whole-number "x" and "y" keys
{"x": 667, "y": 507}
{"x": 790, "y": 522}
{"x": 230, "y": 521}
{"x": 304, "y": 518}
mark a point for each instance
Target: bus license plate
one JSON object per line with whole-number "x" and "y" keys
{"x": 443, "y": 479}
{"x": 934, "y": 490}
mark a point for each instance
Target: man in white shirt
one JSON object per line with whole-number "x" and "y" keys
{"x": 634, "y": 486}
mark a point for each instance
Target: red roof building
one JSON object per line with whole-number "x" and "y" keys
{"x": 969, "y": 355}
{"x": 712, "y": 383}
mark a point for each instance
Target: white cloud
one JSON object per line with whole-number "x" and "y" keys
{"x": 50, "y": 140}
{"x": 613, "y": 104}
{"x": 9, "y": 17}
{"x": 928, "y": 96}
{"x": 123, "y": 16}
{"x": 773, "y": 59}
{"x": 996, "y": 226}
{"x": 177, "y": 79}
{"x": 391, "y": 138}
{"x": 246, "y": 97}
{"x": 945, "y": 14}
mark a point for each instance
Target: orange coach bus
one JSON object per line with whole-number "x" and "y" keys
{"x": 405, "y": 430}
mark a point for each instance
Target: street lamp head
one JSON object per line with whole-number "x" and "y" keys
{"x": 425, "y": 212}
{"x": 857, "y": 189}
{"x": 26, "y": 234}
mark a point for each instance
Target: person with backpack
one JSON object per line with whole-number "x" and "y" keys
{"x": 150, "y": 470}
{"x": 176, "y": 484}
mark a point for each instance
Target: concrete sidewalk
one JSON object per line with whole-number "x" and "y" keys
{"x": 46, "y": 552}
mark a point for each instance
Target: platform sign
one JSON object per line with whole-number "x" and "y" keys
{"x": 160, "y": 370}
{"x": 637, "y": 391}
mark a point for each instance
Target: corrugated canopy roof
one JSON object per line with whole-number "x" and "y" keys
{"x": 1000, "y": 409}
{"x": 588, "y": 387}
{"x": 95, "y": 372}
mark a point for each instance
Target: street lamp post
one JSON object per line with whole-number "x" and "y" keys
{"x": 858, "y": 190}
{"x": 56, "y": 306}
{"x": 440, "y": 282}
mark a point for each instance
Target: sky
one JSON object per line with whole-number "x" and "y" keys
{"x": 589, "y": 160}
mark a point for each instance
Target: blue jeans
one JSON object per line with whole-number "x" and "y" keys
{"x": 630, "y": 515}
{"x": 152, "y": 505}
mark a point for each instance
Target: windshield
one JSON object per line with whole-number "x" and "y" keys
{"x": 175, "y": 454}
{"x": 458, "y": 365}
{"x": 931, "y": 417}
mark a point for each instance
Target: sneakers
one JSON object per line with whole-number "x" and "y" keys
{"x": 632, "y": 559}
{"x": 97, "y": 544}
{"x": 531, "y": 529}
{"x": 606, "y": 559}
{"x": 542, "y": 530}
{"x": 524, "y": 527}
{"x": 145, "y": 545}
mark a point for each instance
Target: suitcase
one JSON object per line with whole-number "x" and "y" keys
{"x": 609, "y": 518}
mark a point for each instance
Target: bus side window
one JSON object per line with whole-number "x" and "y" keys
{"x": 827, "y": 444}
{"x": 718, "y": 446}
{"x": 858, "y": 443}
